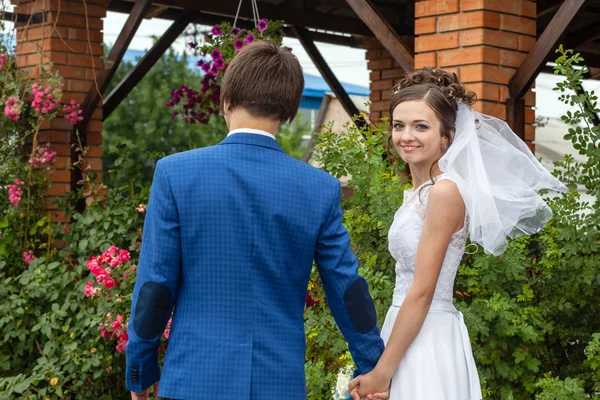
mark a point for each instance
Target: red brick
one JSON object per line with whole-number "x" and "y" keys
{"x": 529, "y": 132}
{"x": 38, "y": 33}
{"x": 94, "y": 151}
{"x": 526, "y": 43}
{"x": 436, "y": 7}
{"x": 497, "y": 110}
{"x": 382, "y": 85}
{"x": 92, "y": 74}
{"x": 62, "y": 162}
{"x": 375, "y": 75}
{"x": 94, "y": 138}
{"x": 490, "y": 37}
{"x": 528, "y": 9}
{"x": 87, "y": 9}
{"x": 470, "y": 55}
{"x": 453, "y": 70}
{"x": 95, "y": 164}
{"x": 61, "y": 176}
{"x": 531, "y": 147}
{"x": 58, "y": 216}
{"x": 62, "y": 149}
{"x": 375, "y": 96}
{"x": 379, "y": 64}
{"x": 78, "y": 97}
{"x": 81, "y": 60}
{"x": 375, "y": 116}
{"x": 511, "y": 58}
{"x": 379, "y": 105}
{"x": 372, "y": 54}
{"x": 425, "y": 60}
{"x": 392, "y": 73}
{"x": 370, "y": 44}
{"x": 476, "y": 19}
{"x": 436, "y": 42}
{"x": 78, "y": 86}
{"x": 75, "y": 21}
{"x": 485, "y": 91}
{"x": 82, "y": 34}
{"x": 529, "y": 115}
{"x": 58, "y": 189}
{"x": 94, "y": 126}
{"x": 70, "y": 72}
{"x": 504, "y": 6}
{"x": 485, "y": 73}
{"x": 425, "y": 25}
{"x": 529, "y": 99}
{"x": 518, "y": 24}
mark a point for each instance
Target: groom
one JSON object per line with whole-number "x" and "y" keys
{"x": 229, "y": 242}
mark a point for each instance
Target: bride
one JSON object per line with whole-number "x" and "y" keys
{"x": 472, "y": 177}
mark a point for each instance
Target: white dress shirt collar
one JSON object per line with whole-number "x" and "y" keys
{"x": 253, "y": 131}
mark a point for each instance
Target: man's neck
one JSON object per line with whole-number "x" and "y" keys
{"x": 241, "y": 119}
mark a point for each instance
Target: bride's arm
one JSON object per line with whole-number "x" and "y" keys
{"x": 444, "y": 216}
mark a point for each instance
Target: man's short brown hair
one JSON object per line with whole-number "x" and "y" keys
{"x": 264, "y": 79}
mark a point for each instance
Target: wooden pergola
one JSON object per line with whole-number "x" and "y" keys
{"x": 498, "y": 47}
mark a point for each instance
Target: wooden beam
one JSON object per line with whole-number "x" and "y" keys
{"x": 535, "y": 60}
{"x": 327, "y": 74}
{"x": 113, "y": 60}
{"x": 515, "y": 115}
{"x": 292, "y": 16}
{"x": 383, "y": 31}
{"x": 172, "y": 14}
{"x": 120, "y": 92}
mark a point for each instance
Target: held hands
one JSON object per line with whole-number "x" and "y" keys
{"x": 370, "y": 386}
{"x": 145, "y": 395}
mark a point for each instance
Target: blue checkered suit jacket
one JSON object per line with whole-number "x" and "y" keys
{"x": 229, "y": 240}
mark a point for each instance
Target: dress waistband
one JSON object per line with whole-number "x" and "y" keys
{"x": 436, "y": 305}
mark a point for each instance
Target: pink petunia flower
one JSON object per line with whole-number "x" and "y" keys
{"x": 262, "y": 25}
{"x": 216, "y": 31}
{"x": 238, "y": 44}
{"x": 250, "y": 38}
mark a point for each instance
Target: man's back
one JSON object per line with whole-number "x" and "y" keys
{"x": 250, "y": 219}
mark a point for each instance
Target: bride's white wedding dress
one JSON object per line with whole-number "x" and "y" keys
{"x": 439, "y": 364}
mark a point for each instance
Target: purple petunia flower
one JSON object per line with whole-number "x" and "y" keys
{"x": 216, "y": 53}
{"x": 234, "y": 32}
{"x": 250, "y": 38}
{"x": 205, "y": 67}
{"x": 219, "y": 63}
{"x": 238, "y": 44}
{"x": 193, "y": 45}
{"x": 216, "y": 31}
{"x": 200, "y": 63}
{"x": 263, "y": 24}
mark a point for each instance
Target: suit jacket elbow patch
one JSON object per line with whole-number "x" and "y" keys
{"x": 152, "y": 310}
{"x": 360, "y": 307}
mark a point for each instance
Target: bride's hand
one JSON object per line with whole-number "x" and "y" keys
{"x": 372, "y": 385}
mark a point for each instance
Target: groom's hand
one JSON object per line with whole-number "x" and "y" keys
{"x": 375, "y": 396}
{"x": 145, "y": 395}
{"x": 372, "y": 385}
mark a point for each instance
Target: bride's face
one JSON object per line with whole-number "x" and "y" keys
{"x": 416, "y": 133}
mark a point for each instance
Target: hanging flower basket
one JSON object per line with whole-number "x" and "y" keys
{"x": 219, "y": 46}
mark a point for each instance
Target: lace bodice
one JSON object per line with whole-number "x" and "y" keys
{"x": 403, "y": 239}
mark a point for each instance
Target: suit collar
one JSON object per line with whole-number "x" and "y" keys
{"x": 253, "y": 140}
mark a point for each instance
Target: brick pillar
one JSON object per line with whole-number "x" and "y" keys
{"x": 71, "y": 39}
{"x": 482, "y": 41}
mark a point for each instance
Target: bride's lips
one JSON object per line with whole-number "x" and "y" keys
{"x": 410, "y": 149}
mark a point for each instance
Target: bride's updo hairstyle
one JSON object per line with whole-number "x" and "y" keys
{"x": 442, "y": 91}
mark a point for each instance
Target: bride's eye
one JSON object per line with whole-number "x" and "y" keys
{"x": 422, "y": 127}
{"x": 398, "y": 126}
